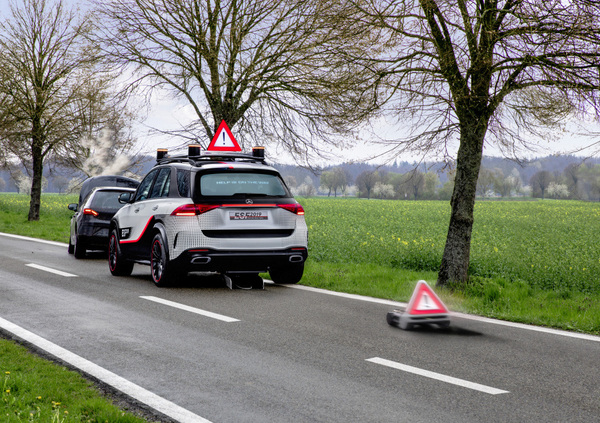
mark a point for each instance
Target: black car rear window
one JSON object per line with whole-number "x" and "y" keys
{"x": 106, "y": 201}
{"x": 232, "y": 184}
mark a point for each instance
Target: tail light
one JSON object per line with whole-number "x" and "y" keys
{"x": 294, "y": 208}
{"x": 198, "y": 209}
{"x": 193, "y": 209}
{"x": 90, "y": 212}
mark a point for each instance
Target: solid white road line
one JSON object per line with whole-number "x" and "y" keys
{"x": 437, "y": 376}
{"x": 191, "y": 309}
{"x": 541, "y": 329}
{"x": 51, "y": 270}
{"x": 41, "y": 241}
{"x": 158, "y": 403}
{"x": 344, "y": 295}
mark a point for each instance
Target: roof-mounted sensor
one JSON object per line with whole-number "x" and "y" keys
{"x": 161, "y": 153}
{"x": 258, "y": 152}
{"x": 193, "y": 150}
{"x": 197, "y": 157}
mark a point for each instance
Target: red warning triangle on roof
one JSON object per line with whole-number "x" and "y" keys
{"x": 425, "y": 301}
{"x": 223, "y": 140}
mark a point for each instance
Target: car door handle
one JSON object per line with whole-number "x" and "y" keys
{"x": 136, "y": 210}
{"x": 154, "y": 208}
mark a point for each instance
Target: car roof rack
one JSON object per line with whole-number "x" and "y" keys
{"x": 197, "y": 158}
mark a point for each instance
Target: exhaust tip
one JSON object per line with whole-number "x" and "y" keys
{"x": 201, "y": 260}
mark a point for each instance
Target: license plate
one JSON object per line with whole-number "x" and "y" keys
{"x": 249, "y": 215}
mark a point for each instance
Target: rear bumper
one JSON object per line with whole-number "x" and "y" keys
{"x": 94, "y": 237}
{"x": 239, "y": 261}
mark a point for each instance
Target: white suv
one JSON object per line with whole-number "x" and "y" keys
{"x": 220, "y": 212}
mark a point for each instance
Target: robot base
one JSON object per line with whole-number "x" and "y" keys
{"x": 243, "y": 281}
{"x": 407, "y": 321}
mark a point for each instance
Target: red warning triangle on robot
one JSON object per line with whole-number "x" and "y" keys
{"x": 223, "y": 140}
{"x": 425, "y": 301}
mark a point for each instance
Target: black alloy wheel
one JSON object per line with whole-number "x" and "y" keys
{"x": 163, "y": 273}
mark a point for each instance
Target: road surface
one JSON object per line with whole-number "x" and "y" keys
{"x": 288, "y": 354}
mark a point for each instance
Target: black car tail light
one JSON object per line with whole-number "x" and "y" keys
{"x": 90, "y": 212}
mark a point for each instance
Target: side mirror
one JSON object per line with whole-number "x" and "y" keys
{"x": 73, "y": 207}
{"x": 125, "y": 197}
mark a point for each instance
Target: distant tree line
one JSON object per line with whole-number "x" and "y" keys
{"x": 555, "y": 177}
{"x": 577, "y": 181}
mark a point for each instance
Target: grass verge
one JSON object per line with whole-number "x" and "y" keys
{"x": 54, "y": 220}
{"x": 36, "y": 390}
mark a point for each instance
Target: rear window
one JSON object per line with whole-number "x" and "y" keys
{"x": 233, "y": 184}
{"x": 106, "y": 201}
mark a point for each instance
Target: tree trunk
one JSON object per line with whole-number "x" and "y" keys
{"x": 36, "y": 181}
{"x": 455, "y": 260}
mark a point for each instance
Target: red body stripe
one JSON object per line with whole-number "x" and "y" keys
{"x": 131, "y": 241}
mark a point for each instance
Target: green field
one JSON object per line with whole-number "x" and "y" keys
{"x": 547, "y": 244}
{"x": 533, "y": 261}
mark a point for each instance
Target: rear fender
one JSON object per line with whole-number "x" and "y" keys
{"x": 159, "y": 228}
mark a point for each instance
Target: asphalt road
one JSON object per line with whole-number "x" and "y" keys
{"x": 289, "y": 354}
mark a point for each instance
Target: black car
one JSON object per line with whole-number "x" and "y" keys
{"x": 96, "y": 207}
{"x": 104, "y": 181}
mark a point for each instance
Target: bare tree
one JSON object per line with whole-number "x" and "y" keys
{"x": 414, "y": 182}
{"x": 42, "y": 49}
{"x": 264, "y": 66}
{"x": 366, "y": 182}
{"x": 342, "y": 178}
{"x": 571, "y": 176}
{"x": 540, "y": 181}
{"x": 335, "y": 179}
{"x": 487, "y": 71}
{"x": 431, "y": 182}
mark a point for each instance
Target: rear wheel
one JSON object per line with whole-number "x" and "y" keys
{"x": 163, "y": 270}
{"x": 289, "y": 274}
{"x": 116, "y": 262}
{"x": 79, "y": 248}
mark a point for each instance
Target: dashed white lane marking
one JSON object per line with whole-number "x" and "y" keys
{"x": 160, "y": 404}
{"x": 437, "y": 376}
{"x": 51, "y": 270}
{"x": 191, "y": 309}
